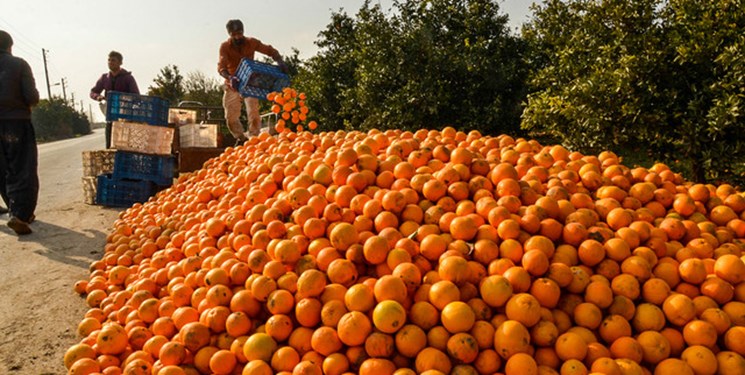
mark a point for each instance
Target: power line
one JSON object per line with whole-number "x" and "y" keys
{"x": 29, "y": 47}
{"x": 32, "y": 49}
{"x": 26, "y": 52}
{"x": 21, "y": 35}
{"x": 23, "y": 43}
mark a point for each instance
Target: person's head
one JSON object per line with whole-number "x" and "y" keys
{"x": 6, "y": 42}
{"x": 115, "y": 61}
{"x": 235, "y": 29}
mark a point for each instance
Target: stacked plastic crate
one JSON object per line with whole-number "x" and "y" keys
{"x": 143, "y": 162}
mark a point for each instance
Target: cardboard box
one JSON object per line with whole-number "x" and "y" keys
{"x": 198, "y": 135}
{"x": 182, "y": 116}
{"x": 142, "y": 138}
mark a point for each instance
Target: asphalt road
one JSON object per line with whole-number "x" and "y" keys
{"x": 39, "y": 312}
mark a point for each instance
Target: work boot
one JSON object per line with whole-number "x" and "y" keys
{"x": 19, "y": 226}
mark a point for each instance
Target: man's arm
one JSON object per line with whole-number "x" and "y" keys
{"x": 28, "y": 85}
{"x": 273, "y": 53}
{"x": 98, "y": 89}
{"x": 222, "y": 63}
{"x": 269, "y": 51}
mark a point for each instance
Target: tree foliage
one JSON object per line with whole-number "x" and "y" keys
{"x": 663, "y": 74}
{"x": 168, "y": 84}
{"x": 54, "y": 120}
{"x": 706, "y": 42}
{"x": 426, "y": 64}
{"x": 328, "y": 77}
{"x": 200, "y": 88}
{"x": 661, "y": 78}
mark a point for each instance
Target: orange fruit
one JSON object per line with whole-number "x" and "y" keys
{"x": 389, "y": 316}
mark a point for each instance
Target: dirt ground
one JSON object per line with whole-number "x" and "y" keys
{"x": 39, "y": 311}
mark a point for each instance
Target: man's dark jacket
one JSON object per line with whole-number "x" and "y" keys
{"x": 17, "y": 88}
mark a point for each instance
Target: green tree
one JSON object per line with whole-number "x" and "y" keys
{"x": 460, "y": 65}
{"x": 169, "y": 84}
{"x": 596, "y": 74}
{"x": 706, "y": 40}
{"x": 200, "y": 88}
{"x": 329, "y": 75}
{"x": 377, "y": 75}
{"x": 54, "y": 120}
{"x": 427, "y": 64}
{"x": 663, "y": 77}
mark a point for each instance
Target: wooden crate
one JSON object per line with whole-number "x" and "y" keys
{"x": 192, "y": 158}
{"x": 96, "y": 162}
{"x": 142, "y": 138}
{"x": 178, "y": 116}
{"x": 198, "y": 135}
{"x": 89, "y": 189}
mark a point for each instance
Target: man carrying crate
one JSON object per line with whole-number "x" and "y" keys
{"x": 117, "y": 79}
{"x": 232, "y": 51}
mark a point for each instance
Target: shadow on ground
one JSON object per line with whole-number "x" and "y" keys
{"x": 62, "y": 244}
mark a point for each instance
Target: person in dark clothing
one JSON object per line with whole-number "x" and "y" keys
{"x": 117, "y": 79}
{"x": 18, "y": 152}
{"x": 3, "y": 209}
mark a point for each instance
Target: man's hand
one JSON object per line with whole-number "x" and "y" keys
{"x": 283, "y": 67}
{"x": 235, "y": 82}
{"x": 100, "y": 97}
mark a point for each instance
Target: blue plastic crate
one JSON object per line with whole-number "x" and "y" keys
{"x": 258, "y": 79}
{"x": 113, "y": 192}
{"x": 158, "y": 169}
{"x": 138, "y": 108}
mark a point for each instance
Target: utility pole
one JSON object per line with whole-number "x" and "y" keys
{"x": 46, "y": 73}
{"x": 64, "y": 92}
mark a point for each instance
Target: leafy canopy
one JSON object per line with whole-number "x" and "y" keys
{"x": 426, "y": 64}
{"x": 54, "y": 119}
{"x": 661, "y": 77}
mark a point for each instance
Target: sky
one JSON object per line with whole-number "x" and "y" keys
{"x": 77, "y": 35}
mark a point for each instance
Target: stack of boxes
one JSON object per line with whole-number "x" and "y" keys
{"x": 95, "y": 163}
{"x": 143, "y": 162}
{"x": 198, "y": 142}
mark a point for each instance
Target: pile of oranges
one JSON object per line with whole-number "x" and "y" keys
{"x": 431, "y": 252}
{"x": 290, "y": 106}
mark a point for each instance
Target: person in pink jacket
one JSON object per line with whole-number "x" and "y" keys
{"x": 117, "y": 79}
